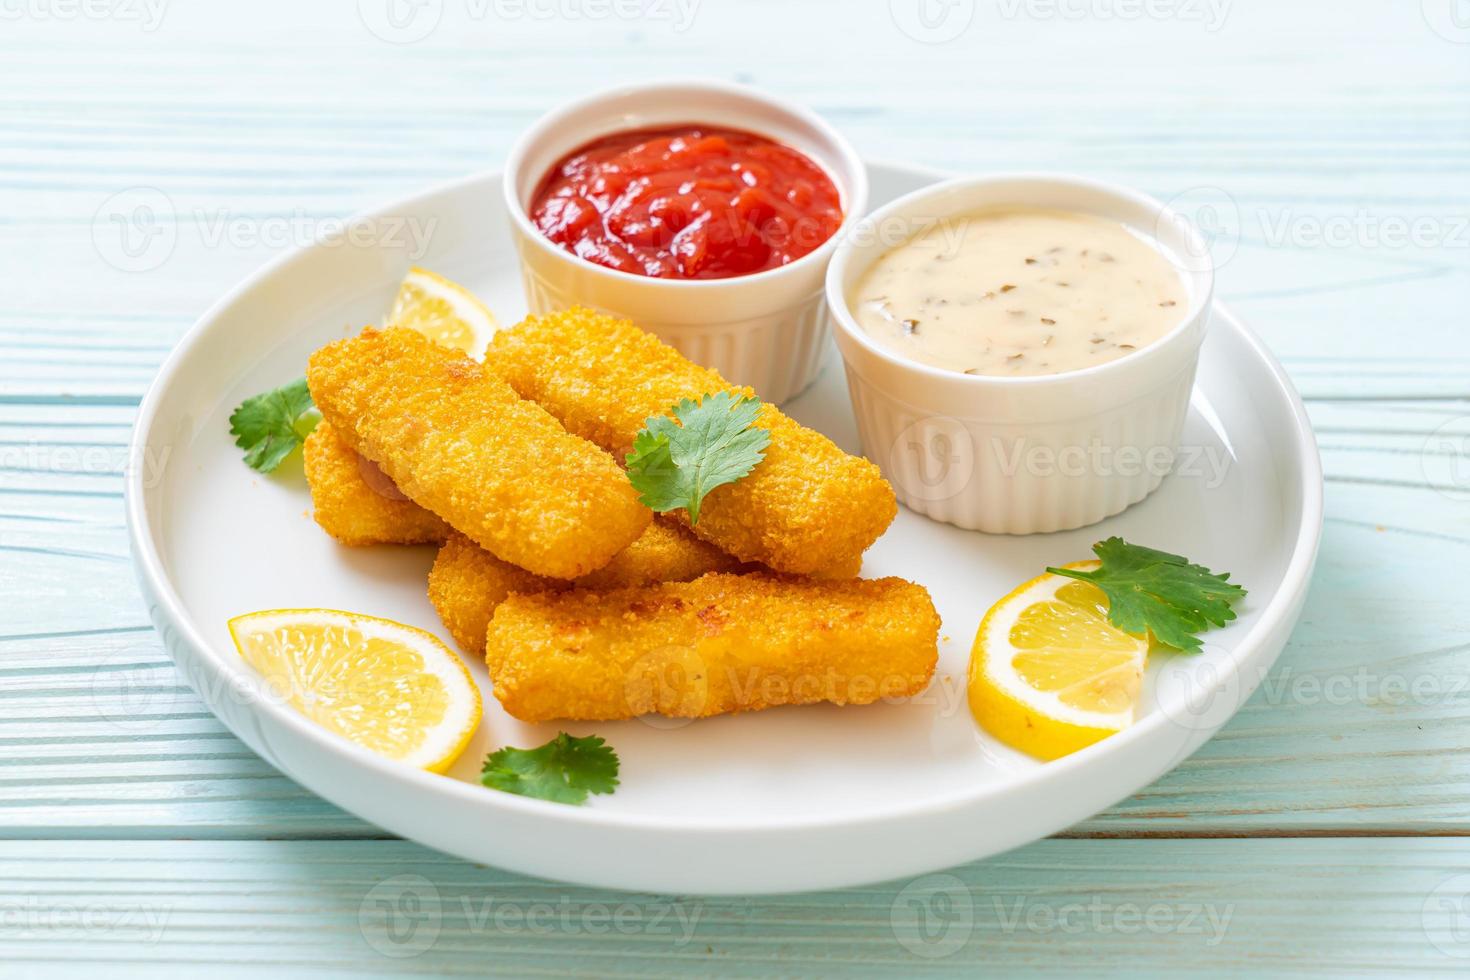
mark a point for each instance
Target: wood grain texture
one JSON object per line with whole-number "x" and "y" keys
{"x": 1055, "y": 908}
{"x": 1314, "y": 130}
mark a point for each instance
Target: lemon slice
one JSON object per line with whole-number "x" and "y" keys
{"x": 388, "y": 687}
{"x": 443, "y": 311}
{"x": 1048, "y": 673}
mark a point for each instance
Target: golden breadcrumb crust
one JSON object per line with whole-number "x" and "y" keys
{"x": 467, "y": 582}
{"x": 460, "y": 442}
{"x": 718, "y": 644}
{"x": 806, "y": 506}
{"x": 349, "y": 509}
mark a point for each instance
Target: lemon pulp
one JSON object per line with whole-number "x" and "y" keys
{"x": 1048, "y": 673}
{"x": 390, "y": 688}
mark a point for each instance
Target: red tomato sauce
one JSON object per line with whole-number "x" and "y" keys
{"x": 687, "y": 202}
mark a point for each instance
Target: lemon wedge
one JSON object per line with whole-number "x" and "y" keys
{"x": 388, "y": 687}
{"x": 443, "y": 311}
{"x": 1048, "y": 673}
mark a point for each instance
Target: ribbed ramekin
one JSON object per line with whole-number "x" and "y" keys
{"x": 1022, "y": 455}
{"x": 767, "y": 330}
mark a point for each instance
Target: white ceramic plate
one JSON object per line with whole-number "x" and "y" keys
{"x": 782, "y": 800}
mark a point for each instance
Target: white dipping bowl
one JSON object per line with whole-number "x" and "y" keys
{"x": 1022, "y": 455}
{"x": 767, "y": 330}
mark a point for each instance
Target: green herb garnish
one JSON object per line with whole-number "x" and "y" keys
{"x": 1166, "y": 594}
{"x": 714, "y": 442}
{"x": 270, "y": 426}
{"x": 564, "y": 770}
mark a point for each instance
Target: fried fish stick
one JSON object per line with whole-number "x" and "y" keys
{"x": 806, "y": 506}
{"x": 718, "y": 644}
{"x": 461, "y": 443}
{"x": 467, "y": 582}
{"x": 347, "y": 505}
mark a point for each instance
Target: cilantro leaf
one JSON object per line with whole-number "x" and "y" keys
{"x": 564, "y": 770}
{"x": 1166, "y": 594}
{"x": 714, "y": 442}
{"x": 270, "y": 425}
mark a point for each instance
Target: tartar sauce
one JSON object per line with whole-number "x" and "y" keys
{"x": 1020, "y": 292}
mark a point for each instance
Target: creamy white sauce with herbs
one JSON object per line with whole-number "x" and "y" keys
{"x": 1020, "y": 292}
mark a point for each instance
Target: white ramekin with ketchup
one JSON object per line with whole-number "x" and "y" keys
{"x": 994, "y": 448}
{"x": 765, "y": 327}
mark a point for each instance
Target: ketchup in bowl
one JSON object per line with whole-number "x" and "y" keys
{"x": 687, "y": 202}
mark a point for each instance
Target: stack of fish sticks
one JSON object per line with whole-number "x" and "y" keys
{"x": 584, "y": 604}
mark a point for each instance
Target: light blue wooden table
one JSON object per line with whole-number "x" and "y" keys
{"x": 1322, "y": 831}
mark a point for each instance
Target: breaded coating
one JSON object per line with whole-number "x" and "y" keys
{"x": 806, "y": 506}
{"x": 718, "y": 644}
{"x": 347, "y": 507}
{"x": 666, "y": 552}
{"x": 467, "y": 582}
{"x": 460, "y": 442}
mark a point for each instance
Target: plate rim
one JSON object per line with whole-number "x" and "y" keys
{"x": 167, "y": 609}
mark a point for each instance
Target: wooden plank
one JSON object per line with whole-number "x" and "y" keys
{"x": 1056, "y": 908}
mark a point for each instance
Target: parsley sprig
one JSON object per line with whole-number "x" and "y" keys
{"x": 1168, "y": 595}
{"x": 564, "y": 770}
{"x": 714, "y": 441}
{"x": 270, "y": 426}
